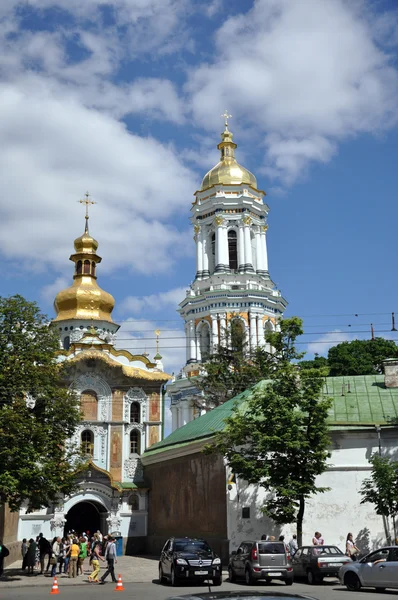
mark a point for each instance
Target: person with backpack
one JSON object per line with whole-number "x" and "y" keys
{"x": 110, "y": 556}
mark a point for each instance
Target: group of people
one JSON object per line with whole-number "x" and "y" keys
{"x": 351, "y": 549}
{"x": 68, "y": 555}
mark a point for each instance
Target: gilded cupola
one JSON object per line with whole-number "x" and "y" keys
{"x": 228, "y": 171}
{"x": 84, "y": 299}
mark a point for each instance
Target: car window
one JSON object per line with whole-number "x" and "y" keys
{"x": 191, "y": 546}
{"x": 378, "y": 555}
{"x": 265, "y": 548}
{"x": 393, "y": 555}
{"x": 305, "y": 551}
{"x": 298, "y": 554}
{"x": 325, "y": 550}
{"x": 166, "y": 547}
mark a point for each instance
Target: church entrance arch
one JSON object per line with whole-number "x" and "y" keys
{"x": 87, "y": 515}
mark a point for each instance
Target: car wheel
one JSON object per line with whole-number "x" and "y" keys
{"x": 162, "y": 578}
{"x": 380, "y": 590}
{"x": 231, "y": 575}
{"x": 249, "y": 577}
{"x": 174, "y": 579}
{"x": 311, "y": 577}
{"x": 352, "y": 582}
{"x": 289, "y": 581}
{"x": 217, "y": 580}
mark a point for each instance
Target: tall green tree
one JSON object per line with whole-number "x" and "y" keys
{"x": 232, "y": 368}
{"x": 318, "y": 362}
{"x": 361, "y": 357}
{"x": 279, "y": 437}
{"x": 37, "y": 413}
{"x": 381, "y": 488}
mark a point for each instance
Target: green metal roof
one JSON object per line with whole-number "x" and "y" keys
{"x": 361, "y": 401}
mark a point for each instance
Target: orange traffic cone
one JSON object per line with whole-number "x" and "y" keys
{"x": 119, "y": 586}
{"x": 54, "y": 589}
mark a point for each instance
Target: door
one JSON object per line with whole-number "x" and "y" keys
{"x": 296, "y": 562}
{"x": 241, "y": 558}
{"x": 304, "y": 561}
{"x": 390, "y": 569}
{"x": 165, "y": 558}
{"x": 373, "y": 571}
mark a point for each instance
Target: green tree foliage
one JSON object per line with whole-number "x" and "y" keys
{"x": 318, "y": 362}
{"x": 232, "y": 369}
{"x": 361, "y": 357}
{"x": 381, "y": 488}
{"x": 279, "y": 438}
{"x": 35, "y": 461}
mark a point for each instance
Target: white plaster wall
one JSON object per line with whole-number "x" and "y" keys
{"x": 336, "y": 512}
{"x": 133, "y": 524}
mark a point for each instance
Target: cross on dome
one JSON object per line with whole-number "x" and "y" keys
{"x": 226, "y": 116}
{"x": 87, "y": 201}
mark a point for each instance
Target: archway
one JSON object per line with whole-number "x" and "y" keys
{"x": 87, "y": 515}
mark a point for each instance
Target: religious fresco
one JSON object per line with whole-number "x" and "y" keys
{"x": 116, "y": 447}
{"x": 153, "y": 435}
{"x": 154, "y": 407}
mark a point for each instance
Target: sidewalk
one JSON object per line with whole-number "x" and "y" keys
{"x": 133, "y": 569}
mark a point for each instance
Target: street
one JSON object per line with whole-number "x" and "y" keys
{"x": 330, "y": 590}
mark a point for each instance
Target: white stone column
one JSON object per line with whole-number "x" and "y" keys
{"x": 206, "y": 252}
{"x": 264, "y": 247}
{"x": 241, "y": 249}
{"x": 198, "y": 351}
{"x": 248, "y": 245}
{"x": 223, "y": 326}
{"x": 224, "y": 249}
{"x": 192, "y": 341}
{"x": 259, "y": 252}
{"x": 174, "y": 417}
{"x": 186, "y": 410}
{"x": 260, "y": 331}
{"x": 188, "y": 349}
{"x": 253, "y": 331}
{"x": 214, "y": 332}
{"x": 179, "y": 415}
{"x": 221, "y": 245}
{"x": 199, "y": 251}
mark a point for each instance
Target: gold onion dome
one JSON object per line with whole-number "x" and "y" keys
{"x": 228, "y": 171}
{"x": 84, "y": 299}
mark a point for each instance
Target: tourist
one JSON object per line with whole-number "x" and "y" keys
{"x": 31, "y": 556}
{"x": 94, "y": 559}
{"x": 293, "y": 546}
{"x": 67, "y": 545}
{"x": 73, "y": 555}
{"x": 351, "y": 549}
{"x": 56, "y": 551}
{"x": 110, "y": 556}
{"x": 44, "y": 550}
{"x": 24, "y": 549}
{"x": 82, "y": 554}
{"x": 318, "y": 540}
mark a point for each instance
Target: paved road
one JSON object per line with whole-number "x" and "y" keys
{"x": 330, "y": 590}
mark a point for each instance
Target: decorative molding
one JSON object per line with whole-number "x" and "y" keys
{"x": 98, "y": 431}
{"x": 264, "y": 228}
{"x": 218, "y": 221}
{"x": 196, "y": 229}
{"x": 135, "y": 394}
{"x": 133, "y": 469}
{"x": 247, "y": 220}
{"x": 128, "y": 427}
{"x": 76, "y": 335}
{"x": 92, "y": 381}
{"x": 57, "y": 522}
{"x": 114, "y": 522}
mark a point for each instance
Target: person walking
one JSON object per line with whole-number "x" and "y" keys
{"x": 44, "y": 550}
{"x": 110, "y": 556}
{"x": 73, "y": 555}
{"x": 82, "y": 554}
{"x": 293, "y": 546}
{"x": 24, "y": 550}
{"x": 31, "y": 556}
{"x": 94, "y": 559}
{"x": 351, "y": 549}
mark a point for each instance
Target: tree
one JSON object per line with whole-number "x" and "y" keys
{"x": 381, "y": 488}
{"x": 37, "y": 413}
{"x": 279, "y": 438}
{"x": 361, "y": 357}
{"x": 232, "y": 368}
{"x": 318, "y": 362}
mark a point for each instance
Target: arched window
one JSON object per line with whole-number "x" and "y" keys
{"x": 134, "y": 502}
{"x": 66, "y": 342}
{"x": 135, "y": 412}
{"x": 135, "y": 442}
{"x": 87, "y": 442}
{"x": 79, "y": 267}
{"x": 204, "y": 341}
{"x": 87, "y": 267}
{"x": 232, "y": 250}
{"x": 93, "y": 268}
{"x": 89, "y": 405}
{"x": 237, "y": 335}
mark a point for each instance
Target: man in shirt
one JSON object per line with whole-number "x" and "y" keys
{"x": 110, "y": 556}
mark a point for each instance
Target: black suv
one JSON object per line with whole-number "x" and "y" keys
{"x": 187, "y": 559}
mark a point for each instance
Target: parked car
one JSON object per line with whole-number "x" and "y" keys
{"x": 242, "y": 596}
{"x": 261, "y": 560}
{"x": 317, "y": 562}
{"x": 189, "y": 559}
{"x": 379, "y": 569}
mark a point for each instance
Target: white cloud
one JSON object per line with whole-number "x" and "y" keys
{"x": 153, "y": 302}
{"x": 325, "y": 342}
{"x": 299, "y": 77}
{"x": 48, "y": 292}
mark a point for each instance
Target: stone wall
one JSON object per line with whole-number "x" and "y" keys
{"x": 187, "y": 498}
{"x": 9, "y": 533}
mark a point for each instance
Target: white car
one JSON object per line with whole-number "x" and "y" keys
{"x": 379, "y": 569}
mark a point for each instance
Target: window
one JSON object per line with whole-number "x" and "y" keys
{"x": 246, "y": 512}
{"x": 271, "y": 548}
{"x": 134, "y": 442}
{"x": 204, "y": 341}
{"x": 379, "y": 555}
{"x": 87, "y": 267}
{"x": 87, "y": 442}
{"x": 66, "y": 342}
{"x": 93, "y": 268}
{"x": 232, "y": 250}
{"x": 79, "y": 267}
{"x": 134, "y": 502}
{"x": 134, "y": 412}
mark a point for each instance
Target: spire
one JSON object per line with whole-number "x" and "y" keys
{"x": 87, "y": 201}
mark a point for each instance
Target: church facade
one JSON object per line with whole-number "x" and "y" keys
{"x": 232, "y": 285}
{"x": 122, "y": 408}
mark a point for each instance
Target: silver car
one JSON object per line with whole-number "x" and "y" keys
{"x": 261, "y": 560}
{"x": 379, "y": 569}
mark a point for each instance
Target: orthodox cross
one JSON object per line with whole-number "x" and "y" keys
{"x": 157, "y": 333}
{"x": 226, "y": 116}
{"x": 87, "y": 201}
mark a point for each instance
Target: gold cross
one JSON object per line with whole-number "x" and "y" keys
{"x": 87, "y": 201}
{"x": 157, "y": 333}
{"x": 226, "y": 116}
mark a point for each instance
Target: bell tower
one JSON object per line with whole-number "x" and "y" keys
{"x": 232, "y": 281}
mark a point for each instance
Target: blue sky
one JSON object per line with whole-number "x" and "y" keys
{"x": 123, "y": 98}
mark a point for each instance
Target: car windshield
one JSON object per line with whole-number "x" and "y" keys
{"x": 271, "y": 549}
{"x": 328, "y": 550}
{"x": 191, "y": 546}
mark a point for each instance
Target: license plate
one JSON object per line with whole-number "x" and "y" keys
{"x": 336, "y": 564}
{"x": 275, "y": 574}
{"x": 201, "y": 573}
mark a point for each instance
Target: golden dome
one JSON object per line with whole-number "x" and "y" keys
{"x": 228, "y": 171}
{"x": 84, "y": 299}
